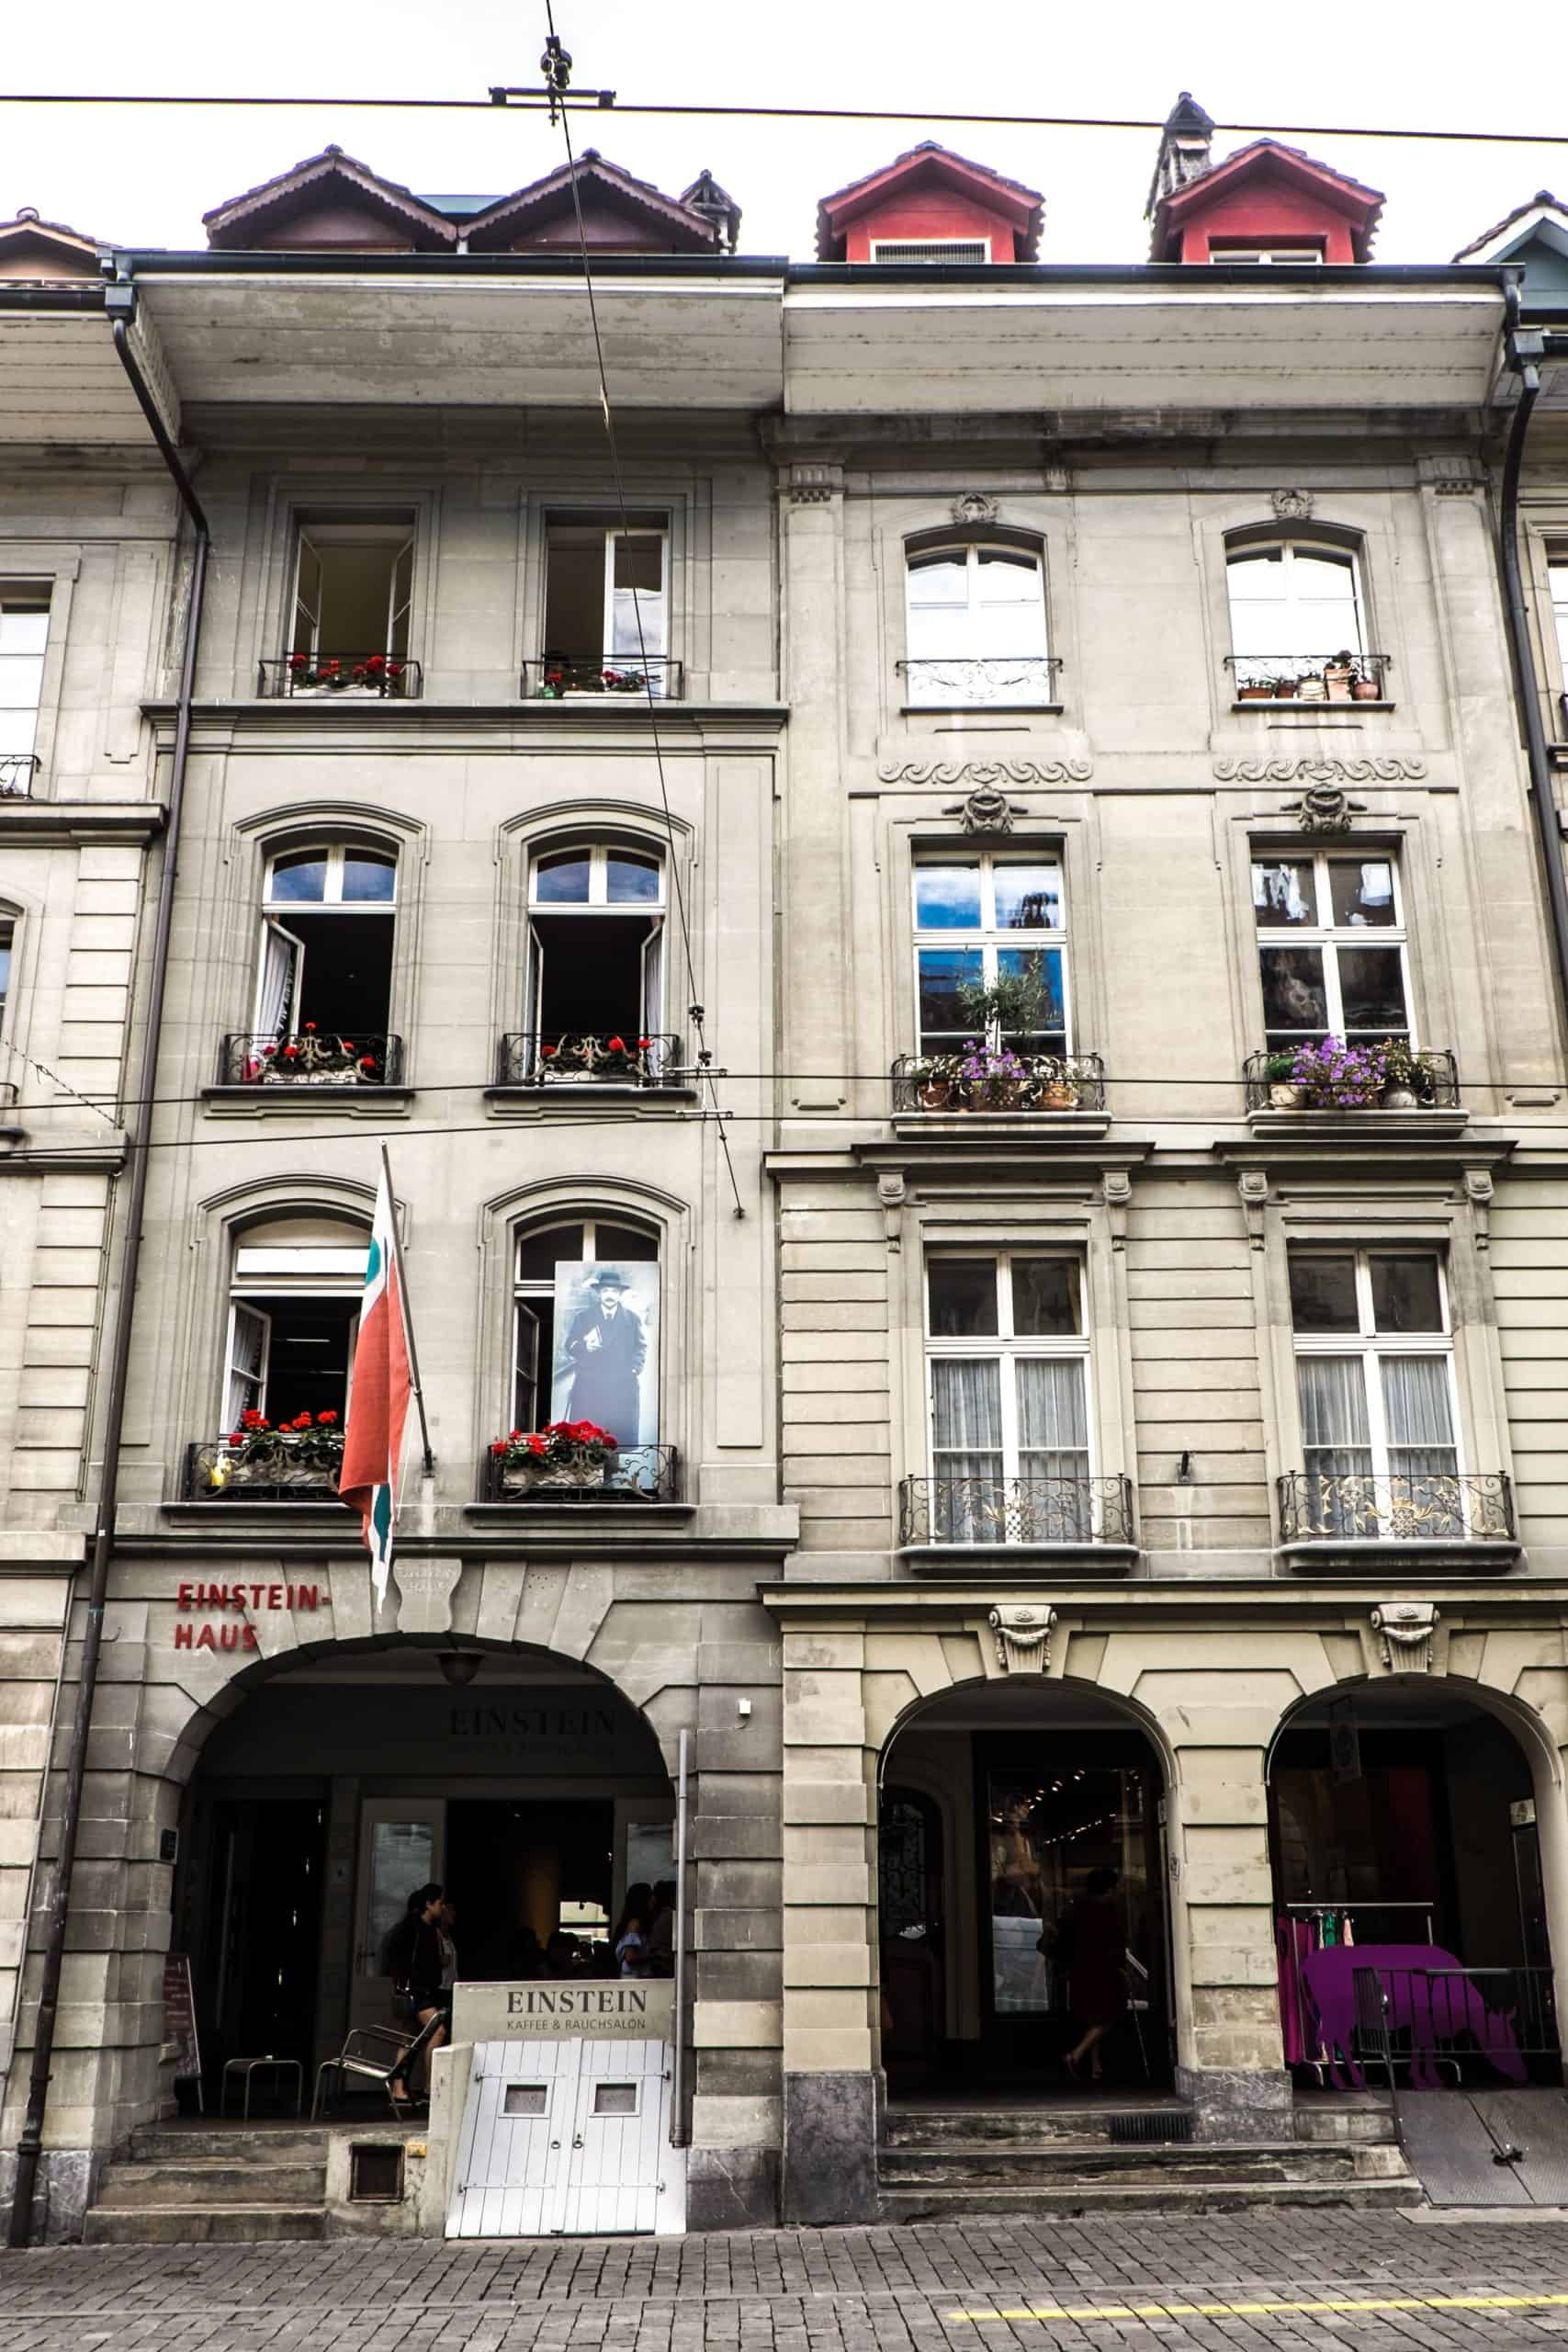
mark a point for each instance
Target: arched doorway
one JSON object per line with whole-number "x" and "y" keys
{"x": 1406, "y": 1820}
{"x": 1021, "y": 1888}
{"x": 523, "y": 1781}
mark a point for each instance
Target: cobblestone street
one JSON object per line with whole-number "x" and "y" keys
{"x": 1233, "y": 2281}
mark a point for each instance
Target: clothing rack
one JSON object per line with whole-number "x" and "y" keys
{"x": 1303, "y": 1927}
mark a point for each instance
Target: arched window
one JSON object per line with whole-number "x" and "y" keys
{"x": 586, "y": 1343}
{"x": 324, "y": 970}
{"x": 291, "y": 1314}
{"x": 976, "y": 626}
{"x": 8, "y": 941}
{"x": 596, "y": 965}
{"x": 1298, "y": 623}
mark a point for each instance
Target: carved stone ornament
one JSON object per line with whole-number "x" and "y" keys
{"x": 985, "y": 772}
{"x": 813, "y": 483}
{"x": 1319, "y": 772}
{"x": 987, "y": 811}
{"x": 969, "y": 512}
{"x": 1293, "y": 505}
{"x": 1023, "y": 1636}
{"x": 1325, "y": 809}
{"x": 1407, "y": 1629}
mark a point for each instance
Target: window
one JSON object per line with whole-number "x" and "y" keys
{"x": 933, "y": 249}
{"x": 586, "y": 1344}
{"x": 1264, "y": 255}
{"x": 1374, "y": 1371}
{"x": 973, "y": 976}
{"x": 352, "y": 587}
{"x": 1331, "y": 944}
{"x": 324, "y": 989}
{"x": 23, "y": 629}
{"x": 1008, "y": 1358}
{"x": 1297, "y": 624}
{"x": 975, "y": 627}
{"x": 596, "y": 925}
{"x": 606, "y": 605}
{"x": 1557, "y": 577}
{"x": 8, "y": 941}
{"x": 293, "y": 1311}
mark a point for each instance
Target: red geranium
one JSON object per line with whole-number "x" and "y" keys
{"x": 643, "y": 1043}
{"x": 326, "y": 1420}
{"x": 617, "y": 1044}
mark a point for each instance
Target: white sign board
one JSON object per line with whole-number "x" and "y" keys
{"x": 624, "y": 2008}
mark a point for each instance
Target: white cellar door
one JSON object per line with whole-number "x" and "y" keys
{"x": 612, "y": 2182}
{"x": 513, "y": 2145}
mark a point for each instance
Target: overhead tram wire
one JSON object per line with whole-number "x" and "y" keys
{"x": 557, "y": 68}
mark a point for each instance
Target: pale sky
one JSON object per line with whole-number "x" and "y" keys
{"x": 144, "y": 177}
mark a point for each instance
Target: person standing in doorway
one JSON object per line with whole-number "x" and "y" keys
{"x": 607, "y": 1348}
{"x": 1095, "y": 1962}
{"x": 661, "y": 1930}
{"x": 414, "y": 1960}
{"x": 629, "y": 1941}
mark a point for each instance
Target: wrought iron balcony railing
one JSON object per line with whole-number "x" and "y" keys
{"x": 984, "y": 1081}
{"x": 1016, "y": 1510}
{"x": 351, "y": 676}
{"x": 1421, "y": 1507}
{"x": 1434, "y": 1083}
{"x": 554, "y": 678}
{"x": 311, "y": 1057}
{"x": 648, "y": 1473}
{"x": 1020, "y": 680}
{"x": 1309, "y": 677}
{"x": 277, "y": 1466}
{"x": 555, "y": 1058}
{"x": 17, "y": 770}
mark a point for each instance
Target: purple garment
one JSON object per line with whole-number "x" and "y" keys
{"x": 1429, "y": 1996}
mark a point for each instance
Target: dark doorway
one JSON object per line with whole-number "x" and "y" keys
{"x": 259, "y": 1950}
{"x": 532, "y": 1883}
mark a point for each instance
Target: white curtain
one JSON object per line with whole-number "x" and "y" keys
{"x": 1421, "y": 1456}
{"x": 1052, "y": 1446}
{"x": 969, "y": 1498}
{"x": 275, "y": 998}
{"x": 1338, "y": 1445}
{"x": 1277, "y": 893}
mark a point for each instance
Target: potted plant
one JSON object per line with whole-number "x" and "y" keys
{"x": 1339, "y": 674}
{"x": 1285, "y": 689}
{"x": 1053, "y": 1082}
{"x": 564, "y": 1454}
{"x": 1278, "y": 1073}
{"x": 304, "y": 1452}
{"x": 605, "y": 1058}
{"x": 1311, "y": 688}
{"x": 1408, "y": 1082}
{"x": 1256, "y": 690}
{"x": 933, "y": 1077}
{"x": 1334, "y": 1075}
{"x": 1366, "y": 686}
{"x": 308, "y": 1058}
{"x": 990, "y": 1078}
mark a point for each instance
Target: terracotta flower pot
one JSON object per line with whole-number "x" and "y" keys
{"x": 1058, "y": 1098}
{"x": 1366, "y": 690}
{"x": 1284, "y": 1095}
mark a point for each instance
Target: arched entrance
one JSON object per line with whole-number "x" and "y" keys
{"x": 1021, "y": 1885}
{"x": 530, "y": 1787}
{"x": 1406, "y": 1820}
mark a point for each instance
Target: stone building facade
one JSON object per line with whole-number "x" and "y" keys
{"x": 1038, "y": 1390}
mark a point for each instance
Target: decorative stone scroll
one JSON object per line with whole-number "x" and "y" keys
{"x": 1407, "y": 1629}
{"x": 1320, "y": 771}
{"x": 974, "y": 510}
{"x": 1293, "y": 505}
{"x": 993, "y": 773}
{"x": 1023, "y": 1636}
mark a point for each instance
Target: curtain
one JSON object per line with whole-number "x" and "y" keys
{"x": 1340, "y": 1498}
{"x": 969, "y": 1500}
{"x": 1277, "y": 893}
{"x": 1421, "y": 1457}
{"x": 1052, "y": 1447}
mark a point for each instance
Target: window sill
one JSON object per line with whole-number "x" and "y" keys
{"x": 1088, "y": 1559}
{"x": 973, "y": 709}
{"x": 1033, "y": 1127}
{"x": 283, "y": 1101}
{"x": 535, "y": 1102}
{"x": 1442, "y": 1557}
{"x": 1315, "y": 712}
{"x": 1334, "y": 1127}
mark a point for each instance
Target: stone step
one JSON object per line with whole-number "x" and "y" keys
{"x": 1018, "y": 2126}
{"x": 181, "y": 2143}
{"x": 1086, "y": 2162}
{"x": 936, "y": 2204}
{"x": 209, "y": 2178}
{"x": 1367, "y": 2125}
{"x": 214, "y": 2224}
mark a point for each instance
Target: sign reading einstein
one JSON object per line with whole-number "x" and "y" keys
{"x": 628, "y": 2009}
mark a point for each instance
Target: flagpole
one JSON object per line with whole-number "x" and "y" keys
{"x": 406, "y": 1311}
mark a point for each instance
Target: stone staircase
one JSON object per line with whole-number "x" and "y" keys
{"x": 183, "y": 2185}
{"x": 943, "y": 2158}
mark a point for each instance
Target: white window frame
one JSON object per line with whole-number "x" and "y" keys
{"x": 8, "y": 929}
{"x": 395, "y": 531}
{"x": 1329, "y": 937}
{"x": 1005, "y": 1346}
{"x": 1295, "y": 255}
{"x": 288, "y": 1272}
{"x": 989, "y": 938}
{"x": 525, "y": 1288}
{"x": 276, "y": 913}
{"x": 1296, "y": 624}
{"x": 1371, "y": 1346}
{"x": 30, "y": 600}
{"x": 596, "y": 906}
{"x": 1557, "y": 590}
{"x": 655, "y": 525}
{"x": 936, "y": 682}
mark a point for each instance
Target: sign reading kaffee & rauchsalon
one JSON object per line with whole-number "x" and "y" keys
{"x": 628, "y": 2009}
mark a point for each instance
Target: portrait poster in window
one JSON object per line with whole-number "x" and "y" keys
{"x": 607, "y": 1351}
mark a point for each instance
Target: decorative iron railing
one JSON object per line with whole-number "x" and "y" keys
{"x": 311, "y": 1057}
{"x": 1422, "y": 1506}
{"x": 17, "y": 770}
{"x": 1432, "y": 2021}
{"x": 650, "y": 1473}
{"x": 555, "y": 1058}
{"x": 1044, "y": 1084}
{"x": 1026, "y": 680}
{"x": 1309, "y": 677}
{"x": 552, "y": 679}
{"x": 1433, "y": 1082}
{"x": 1016, "y": 1510}
{"x": 277, "y": 1468}
{"x": 351, "y": 676}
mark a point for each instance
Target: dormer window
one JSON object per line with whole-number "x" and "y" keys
{"x": 974, "y": 251}
{"x": 975, "y": 627}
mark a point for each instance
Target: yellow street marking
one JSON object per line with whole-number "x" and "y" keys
{"x": 1250, "y": 2311}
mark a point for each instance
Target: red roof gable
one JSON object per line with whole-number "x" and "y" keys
{"x": 1265, "y": 194}
{"x": 921, "y": 171}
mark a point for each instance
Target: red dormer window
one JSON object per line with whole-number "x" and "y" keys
{"x": 931, "y": 205}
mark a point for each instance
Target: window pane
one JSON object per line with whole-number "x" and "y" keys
{"x": 561, "y": 880}
{"x": 1371, "y": 984}
{"x": 947, "y": 898}
{"x": 962, "y": 1297}
{"x": 366, "y": 875}
{"x": 1294, "y": 993}
{"x": 966, "y": 1410}
{"x": 624, "y": 1241}
{"x": 1033, "y": 976}
{"x": 1029, "y": 898}
{"x": 1323, "y": 1294}
{"x": 938, "y": 579}
{"x": 1333, "y": 1391}
{"x": 300, "y": 876}
{"x": 1415, "y": 1399}
{"x": 22, "y": 679}
{"x": 944, "y": 973}
{"x": 1046, "y": 1301}
{"x": 1406, "y": 1295}
{"x": 22, "y": 631}
{"x": 1053, "y": 1438}
{"x": 632, "y": 879}
{"x": 640, "y": 561}
{"x": 537, "y": 1251}
{"x": 1284, "y": 894}
{"x": 1361, "y": 892}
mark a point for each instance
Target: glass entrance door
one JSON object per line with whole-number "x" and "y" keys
{"x": 401, "y": 1846}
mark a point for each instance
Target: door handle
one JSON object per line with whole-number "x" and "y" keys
{"x": 555, "y": 2144}
{"x": 577, "y": 2141}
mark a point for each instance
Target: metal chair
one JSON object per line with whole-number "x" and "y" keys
{"x": 367, "y": 2067}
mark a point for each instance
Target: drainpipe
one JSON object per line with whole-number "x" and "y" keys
{"x": 119, "y": 303}
{"x": 1523, "y": 349}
